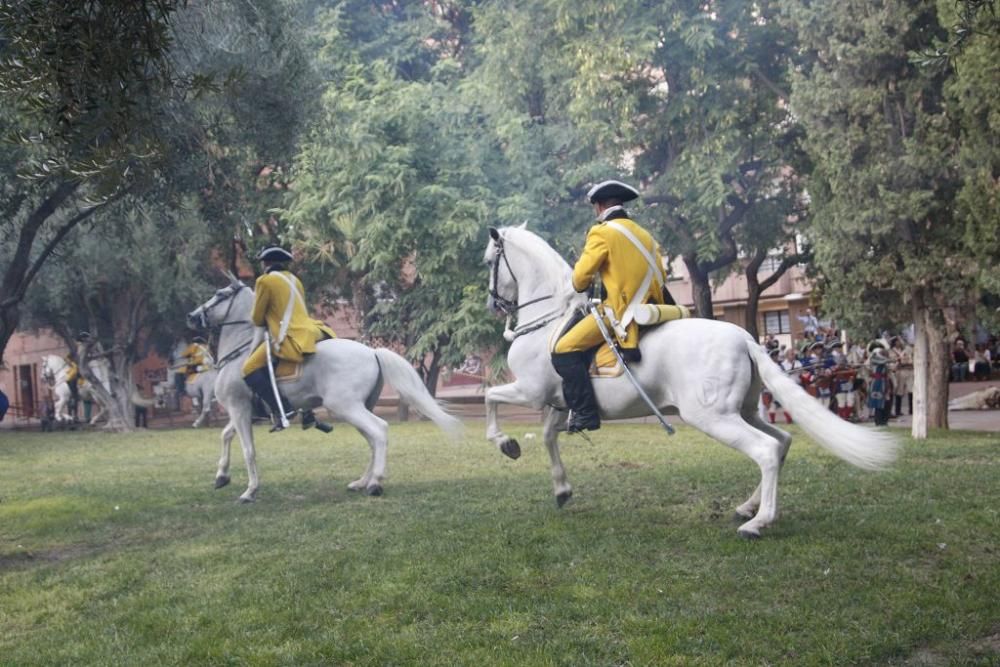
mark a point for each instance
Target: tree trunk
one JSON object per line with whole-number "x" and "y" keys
{"x": 117, "y": 401}
{"x": 919, "y": 422}
{"x": 10, "y": 317}
{"x": 701, "y": 289}
{"x": 938, "y": 370}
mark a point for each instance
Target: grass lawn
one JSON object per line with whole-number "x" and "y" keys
{"x": 116, "y": 550}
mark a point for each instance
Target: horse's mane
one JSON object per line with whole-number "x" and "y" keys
{"x": 554, "y": 269}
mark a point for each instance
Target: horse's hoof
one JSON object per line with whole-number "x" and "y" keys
{"x": 243, "y": 500}
{"x": 374, "y": 490}
{"x": 563, "y": 498}
{"x": 221, "y": 481}
{"x": 511, "y": 449}
{"x": 748, "y": 533}
{"x": 742, "y": 518}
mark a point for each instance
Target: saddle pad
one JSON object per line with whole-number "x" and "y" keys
{"x": 288, "y": 371}
{"x": 605, "y": 364}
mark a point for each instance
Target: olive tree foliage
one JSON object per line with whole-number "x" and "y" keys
{"x": 885, "y": 184}
{"x": 78, "y": 80}
{"x": 170, "y": 102}
{"x": 129, "y": 280}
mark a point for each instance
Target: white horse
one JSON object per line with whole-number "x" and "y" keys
{"x": 710, "y": 372}
{"x": 343, "y": 376}
{"x": 55, "y": 370}
{"x": 201, "y": 390}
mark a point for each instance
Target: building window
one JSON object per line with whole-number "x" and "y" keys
{"x": 776, "y": 322}
{"x": 770, "y": 264}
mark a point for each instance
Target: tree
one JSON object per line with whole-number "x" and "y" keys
{"x": 77, "y": 80}
{"x": 391, "y": 184}
{"x": 129, "y": 280}
{"x": 884, "y": 186}
{"x": 689, "y": 102}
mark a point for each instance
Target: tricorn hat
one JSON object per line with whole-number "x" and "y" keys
{"x": 834, "y": 342}
{"x": 274, "y": 254}
{"x": 198, "y": 339}
{"x": 773, "y": 352}
{"x": 83, "y": 337}
{"x": 818, "y": 344}
{"x": 612, "y": 190}
{"x": 878, "y": 358}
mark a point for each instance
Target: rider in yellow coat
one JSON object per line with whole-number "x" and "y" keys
{"x": 624, "y": 271}
{"x": 279, "y": 306}
{"x": 195, "y": 357}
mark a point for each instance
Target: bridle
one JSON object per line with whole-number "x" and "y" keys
{"x": 511, "y": 308}
{"x": 503, "y": 304}
{"x": 203, "y": 321}
{"x": 203, "y": 311}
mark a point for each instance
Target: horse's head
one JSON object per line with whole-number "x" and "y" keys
{"x": 524, "y": 269}
{"x": 50, "y": 368}
{"x": 210, "y": 313}
{"x": 502, "y": 299}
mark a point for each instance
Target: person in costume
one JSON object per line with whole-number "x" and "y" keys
{"x": 196, "y": 358}
{"x": 630, "y": 267}
{"x": 279, "y": 308}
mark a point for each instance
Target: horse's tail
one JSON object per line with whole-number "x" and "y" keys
{"x": 858, "y": 445}
{"x": 401, "y": 375}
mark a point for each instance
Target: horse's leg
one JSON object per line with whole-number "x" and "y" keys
{"x": 222, "y": 472}
{"x": 205, "y": 406}
{"x": 749, "y": 508}
{"x": 241, "y": 419}
{"x": 510, "y": 394}
{"x": 764, "y": 449}
{"x": 376, "y": 432}
{"x": 550, "y": 434}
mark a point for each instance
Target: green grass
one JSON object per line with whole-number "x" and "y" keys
{"x": 116, "y": 550}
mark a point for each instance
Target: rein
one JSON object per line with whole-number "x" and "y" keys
{"x": 511, "y": 308}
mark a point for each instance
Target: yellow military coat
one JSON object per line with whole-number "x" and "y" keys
{"x": 194, "y": 354}
{"x": 271, "y": 296}
{"x": 622, "y": 268}
{"x": 72, "y": 372}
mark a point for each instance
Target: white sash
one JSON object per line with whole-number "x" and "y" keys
{"x": 653, "y": 269}
{"x": 287, "y": 317}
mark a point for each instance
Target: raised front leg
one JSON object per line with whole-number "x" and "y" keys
{"x": 550, "y": 433}
{"x": 222, "y": 472}
{"x": 511, "y": 394}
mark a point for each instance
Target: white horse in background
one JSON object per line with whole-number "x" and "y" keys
{"x": 343, "y": 376}
{"x": 710, "y": 372}
{"x": 201, "y": 391}
{"x": 55, "y": 369}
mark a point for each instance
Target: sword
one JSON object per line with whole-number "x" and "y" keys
{"x": 607, "y": 337}
{"x": 274, "y": 383}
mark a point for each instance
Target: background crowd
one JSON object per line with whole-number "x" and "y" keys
{"x": 873, "y": 380}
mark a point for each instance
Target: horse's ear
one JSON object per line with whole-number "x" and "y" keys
{"x": 494, "y": 233}
{"x": 523, "y": 225}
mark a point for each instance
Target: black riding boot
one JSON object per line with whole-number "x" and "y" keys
{"x": 909, "y": 397}
{"x": 574, "y": 369}
{"x": 899, "y": 405}
{"x": 260, "y": 383}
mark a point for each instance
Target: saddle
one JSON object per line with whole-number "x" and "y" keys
{"x": 605, "y": 363}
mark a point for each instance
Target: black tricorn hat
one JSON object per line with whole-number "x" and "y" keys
{"x": 198, "y": 339}
{"x": 612, "y": 190}
{"x": 274, "y": 254}
{"x": 83, "y": 336}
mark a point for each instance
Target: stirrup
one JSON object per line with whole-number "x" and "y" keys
{"x": 577, "y": 423}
